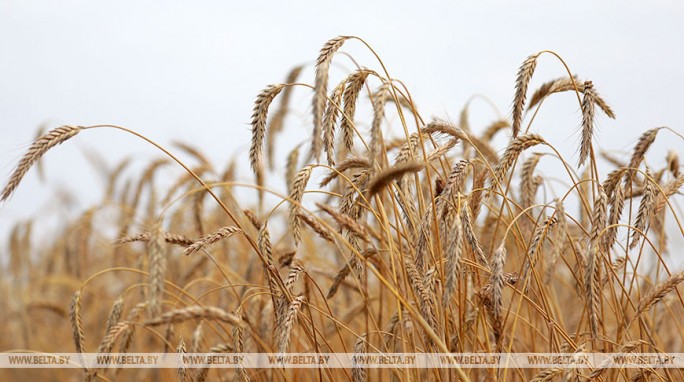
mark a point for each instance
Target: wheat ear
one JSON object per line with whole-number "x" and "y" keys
{"x": 383, "y": 179}
{"x": 288, "y": 323}
{"x": 157, "y": 263}
{"x": 193, "y": 312}
{"x": 588, "y": 114}
{"x": 297, "y": 192}
{"x": 658, "y": 293}
{"x": 211, "y": 238}
{"x": 35, "y": 152}
{"x": 321, "y": 89}
{"x": 524, "y": 76}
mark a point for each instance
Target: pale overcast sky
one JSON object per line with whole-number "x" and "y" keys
{"x": 178, "y": 70}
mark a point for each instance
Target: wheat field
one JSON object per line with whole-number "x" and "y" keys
{"x": 388, "y": 232}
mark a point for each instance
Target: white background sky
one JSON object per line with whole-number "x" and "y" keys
{"x": 189, "y": 71}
